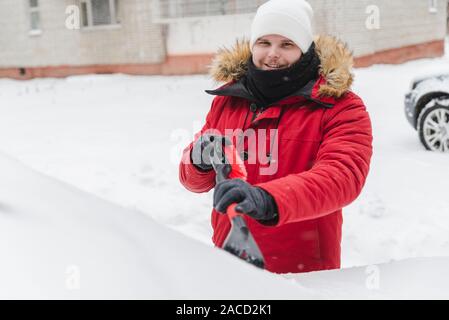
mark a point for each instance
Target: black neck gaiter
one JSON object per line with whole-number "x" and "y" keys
{"x": 268, "y": 86}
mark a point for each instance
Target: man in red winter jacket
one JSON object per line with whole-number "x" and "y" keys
{"x": 296, "y": 91}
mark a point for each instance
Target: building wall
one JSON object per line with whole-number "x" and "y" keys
{"x": 206, "y": 34}
{"x": 447, "y": 19}
{"x": 402, "y": 23}
{"x": 144, "y": 44}
{"x": 136, "y": 40}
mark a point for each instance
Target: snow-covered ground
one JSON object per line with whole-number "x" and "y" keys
{"x": 61, "y": 243}
{"x": 120, "y": 138}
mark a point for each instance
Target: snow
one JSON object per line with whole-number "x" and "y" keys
{"x": 440, "y": 84}
{"x": 417, "y": 278}
{"x": 58, "y": 242}
{"x": 120, "y": 137}
{"x": 403, "y": 211}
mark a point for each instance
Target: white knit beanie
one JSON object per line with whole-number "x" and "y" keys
{"x": 289, "y": 18}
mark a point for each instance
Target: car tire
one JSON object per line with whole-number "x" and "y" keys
{"x": 433, "y": 125}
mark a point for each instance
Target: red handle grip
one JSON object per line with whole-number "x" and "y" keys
{"x": 231, "y": 211}
{"x": 238, "y": 171}
{"x": 237, "y": 165}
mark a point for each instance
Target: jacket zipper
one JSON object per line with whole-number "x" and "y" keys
{"x": 256, "y": 113}
{"x": 254, "y": 116}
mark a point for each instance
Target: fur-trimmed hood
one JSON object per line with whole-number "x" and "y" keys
{"x": 336, "y": 64}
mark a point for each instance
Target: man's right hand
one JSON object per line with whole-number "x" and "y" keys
{"x": 203, "y": 151}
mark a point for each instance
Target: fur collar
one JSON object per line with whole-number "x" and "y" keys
{"x": 336, "y": 64}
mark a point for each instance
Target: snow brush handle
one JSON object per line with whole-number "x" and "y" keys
{"x": 238, "y": 171}
{"x": 239, "y": 241}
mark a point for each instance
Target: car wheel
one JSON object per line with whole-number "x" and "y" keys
{"x": 433, "y": 125}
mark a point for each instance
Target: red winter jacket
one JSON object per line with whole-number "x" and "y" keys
{"x": 323, "y": 158}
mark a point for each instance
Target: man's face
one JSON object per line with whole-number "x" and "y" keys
{"x": 272, "y": 52}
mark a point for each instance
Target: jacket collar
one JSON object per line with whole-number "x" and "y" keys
{"x": 238, "y": 89}
{"x": 336, "y": 61}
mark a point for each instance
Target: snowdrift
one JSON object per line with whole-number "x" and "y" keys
{"x": 59, "y": 242}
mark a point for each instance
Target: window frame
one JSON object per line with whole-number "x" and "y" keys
{"x": 433, "y": 6}
{"x": 168, "y": 11}
{"x": 31, "y": 11}
{"x": 115, "y": 20}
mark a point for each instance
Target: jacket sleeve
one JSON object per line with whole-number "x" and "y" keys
{"x": 190, "y": 176}
{"x": 339, "y": 172}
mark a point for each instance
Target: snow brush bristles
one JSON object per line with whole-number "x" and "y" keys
{"x": 239, "y": 242}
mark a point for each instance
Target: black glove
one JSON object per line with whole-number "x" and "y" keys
{"x": 252, "y": 201}
{"x": 204, "y": 151}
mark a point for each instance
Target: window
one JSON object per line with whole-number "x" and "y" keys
{"x": 99, "y": 13}
{"x": 433, "y": 6}
{"x": 35, "y": 23}
{"x": 174, "y": 9}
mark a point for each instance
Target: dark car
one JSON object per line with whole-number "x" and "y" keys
{"x": 427, "y": 110}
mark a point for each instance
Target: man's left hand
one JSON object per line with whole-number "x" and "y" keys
{"x": 252, "y": 201}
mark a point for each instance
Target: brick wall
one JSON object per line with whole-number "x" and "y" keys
{"x": 402, "y": 23}
{"x": 407, "y": 30}
{"x": 136, "y": 40}
{"x": 447, "y": 19}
